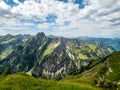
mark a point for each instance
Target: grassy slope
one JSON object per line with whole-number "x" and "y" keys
{"x": 6, "y": 52}
{"x": 109, "y": 68}
{"x": 10, "y": 46}
{"x": 108, "y": 71}
{"x": 25, "y": 82}
{"x": 88, "y": 51}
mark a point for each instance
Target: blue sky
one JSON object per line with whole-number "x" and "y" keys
{"x": 69, "y": 18}
{"x": 12, "y": 3}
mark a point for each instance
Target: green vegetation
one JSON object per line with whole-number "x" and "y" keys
{"x": 51, "y": 48}
{"x": 114, "y": 65}
{"x": 107, "y": 73}
{"x": 49, "y": 58}
{"x": 9, "y": 41}
{"x": 110, "y": 68}
{"x": 22, "y": 81}
{"x": 86, "y": 51}
{"x": 49, "y": 54}
{"x": 82, "y": 56}
{"x": 6, "y": 52}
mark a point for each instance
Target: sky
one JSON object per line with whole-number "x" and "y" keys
{"x": 68, "y": 18}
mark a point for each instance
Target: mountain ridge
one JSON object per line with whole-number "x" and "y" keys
{"x": 113, "y": 42}
{"x": 53, "y": 58}
{"x": 9, "y": 43}
{"x": 102, "y": 76}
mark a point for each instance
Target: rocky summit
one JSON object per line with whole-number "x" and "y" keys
{"x": 53, "y": 58}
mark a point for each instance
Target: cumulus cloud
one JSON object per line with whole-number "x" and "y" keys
{"x": 97, "y": 18}
{"x": 16, "y": 1}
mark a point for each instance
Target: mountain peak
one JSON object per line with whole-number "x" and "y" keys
{"x": 59, "y": 57}
{"x": 40, "y": 35}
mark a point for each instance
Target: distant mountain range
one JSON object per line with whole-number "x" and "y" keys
{"x": 86, "y": 64}
{"x": 48, "y": 57}
{"x": 113, "y": 42}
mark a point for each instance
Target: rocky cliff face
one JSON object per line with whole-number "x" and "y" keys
{"x": 53, "y": 58}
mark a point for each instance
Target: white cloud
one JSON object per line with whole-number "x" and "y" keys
{"x": 16, "y": 1}
{"x": 97, "y": 18}
{"x": 3, "y": 5}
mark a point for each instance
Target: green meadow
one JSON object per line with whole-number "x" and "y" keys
{"x": 22, "y": 81}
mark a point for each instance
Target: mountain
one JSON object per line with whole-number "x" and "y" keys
{"x": 113, "y": 42}
{"x": 53, "y": 58}
{"x": 106, "y": 73}
{"x": 8, "y": 43}
{"x": 103, "y": 75}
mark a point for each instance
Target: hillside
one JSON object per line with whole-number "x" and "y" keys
{"x": 103, "y": 76}
{"x": 106, "y": 73}
{"x": 24, "y": 82}
{"x": 53, "y": 58}
{"x": 9, "y": 43}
